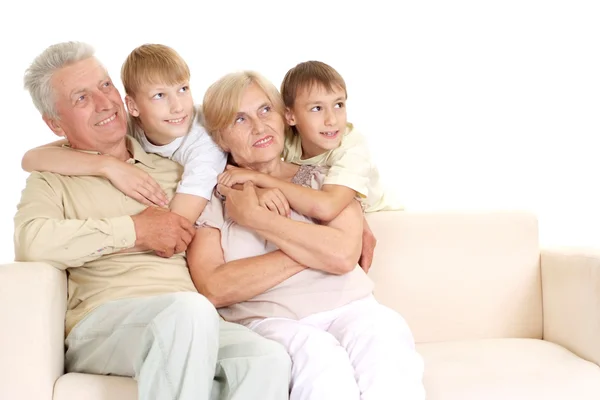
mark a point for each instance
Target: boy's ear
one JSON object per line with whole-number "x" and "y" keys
{"x": 54, "y": 125}
{"x": 289, "y": 117}
{"x": 131, "y": 106}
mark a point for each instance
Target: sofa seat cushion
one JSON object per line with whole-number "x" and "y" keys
{"x": 501, "y": 369}
{"x": 94, "y": 387}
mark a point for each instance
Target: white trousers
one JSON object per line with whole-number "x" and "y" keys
{"x": 177, "y": 348}
{"x": 363, "y": 350}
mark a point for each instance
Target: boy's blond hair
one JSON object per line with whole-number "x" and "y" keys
{"x": 307, "y": 74}
{"x": 222, "y": 100}
{"x": 153, "y": 64}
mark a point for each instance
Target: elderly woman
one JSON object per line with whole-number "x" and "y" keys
{"x": 290, "y": 279}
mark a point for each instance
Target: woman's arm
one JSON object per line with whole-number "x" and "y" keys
{"x": 132, "y": 181}
{"x": 333, "y": 247}
{"x": 225, "y": 284}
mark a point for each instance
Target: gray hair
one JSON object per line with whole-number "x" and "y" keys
{"x": 38, "y": 76}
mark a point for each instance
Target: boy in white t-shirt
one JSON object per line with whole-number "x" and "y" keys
{"x": 165, "y": 121}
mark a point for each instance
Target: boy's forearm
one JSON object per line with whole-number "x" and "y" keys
{"x": 65, "y": 161}
{"x": 188, "y": 206}
{"x": 306, "y": 201}
{"x": 323, "y": 205}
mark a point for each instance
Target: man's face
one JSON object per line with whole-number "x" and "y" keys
{"x": 90, "y": 110}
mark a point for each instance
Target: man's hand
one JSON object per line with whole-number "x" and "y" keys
{"x": 235, "y": 175}
{"x": 163, "y": 231}
{"x": 273, "y": 200}
{"x": 368, "y": 247}
{"x": 242, "y": 206}
{"x": 134, "y": 182}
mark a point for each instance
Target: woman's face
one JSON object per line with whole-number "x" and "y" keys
{"x": 256, "y": 134}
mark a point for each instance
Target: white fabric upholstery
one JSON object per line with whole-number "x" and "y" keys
{"x": 460, "y": 276}
{"x": 94, "y": 387}
{"x": 469, "y": 284}
{"x": 503, "y": 369}
{"x": 571, "y": 287}
{"x": 33, "y": 300}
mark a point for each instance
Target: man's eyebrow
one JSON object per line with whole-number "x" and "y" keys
{"x": 82, "y": 90}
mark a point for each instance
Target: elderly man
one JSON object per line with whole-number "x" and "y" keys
{"x": 130, "y": 312}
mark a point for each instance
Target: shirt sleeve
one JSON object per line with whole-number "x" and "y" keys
{"x": 351, "y": 164}
{"x": 42, "y": 233}
{"x": 202, "y": 162}
{"x": 213, "y": 214}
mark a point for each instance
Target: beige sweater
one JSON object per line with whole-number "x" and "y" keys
{"x": 77, "y": 223}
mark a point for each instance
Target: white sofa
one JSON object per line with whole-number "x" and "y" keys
{"x": 494, "y": 317}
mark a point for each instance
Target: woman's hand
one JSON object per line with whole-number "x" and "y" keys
{"x": 134, "y": 183}
{"x": 235, "y": 175}
{"x": 241, "y": 205}
{"x": 273, "y": 200}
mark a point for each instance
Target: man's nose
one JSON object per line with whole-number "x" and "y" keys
{"x": 102, "y": 102}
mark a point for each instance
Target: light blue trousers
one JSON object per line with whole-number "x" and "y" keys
{"x": 177, "y": 347}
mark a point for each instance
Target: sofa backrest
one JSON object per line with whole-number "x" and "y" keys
{"x": 456, "y": 276}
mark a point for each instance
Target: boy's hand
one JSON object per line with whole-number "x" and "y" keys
{"x": 134, "y": 183}
{"x": 368, "y": 247}
{"x": 273, "y": 200}
{"x": 235, "y": 175}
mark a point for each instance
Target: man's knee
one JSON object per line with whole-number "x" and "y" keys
{"x": 190, "y": 308}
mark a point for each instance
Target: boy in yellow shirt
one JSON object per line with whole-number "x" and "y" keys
{"x": 315, "y": 96}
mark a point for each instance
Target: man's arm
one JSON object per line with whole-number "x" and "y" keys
{"x": 42, "y": 233}
{"x": 225, "y": 284}
{"x": 135, "y": 183}
{"x": 333, "y": 247}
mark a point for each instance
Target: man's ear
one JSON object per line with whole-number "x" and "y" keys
{"x": 131, "y": 106}
{"x": 290, "y": 118}
{"x": 54, "y": 125}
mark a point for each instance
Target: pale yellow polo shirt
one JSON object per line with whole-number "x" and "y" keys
{"x": 77, "y": 223}
{"x": 351, "y": 166}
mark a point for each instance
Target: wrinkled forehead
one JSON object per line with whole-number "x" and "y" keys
{"x": 79, "y": 76}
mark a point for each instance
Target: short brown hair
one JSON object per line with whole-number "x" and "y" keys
{"x": 153, "y": 64}
{"x": 307, "y": 74}
{"x": 222, "y": 100}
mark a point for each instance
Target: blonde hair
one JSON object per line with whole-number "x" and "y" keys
{"x": 222, "y": 100}
{"x": 307, "y": 74}
{"x": 38, "y": 77}
{"x": 153, "y": 64}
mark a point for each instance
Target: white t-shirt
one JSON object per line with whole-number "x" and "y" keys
{"x": 201, "y": 158}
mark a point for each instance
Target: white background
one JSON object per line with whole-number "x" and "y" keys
{"x": 467, "y": 105}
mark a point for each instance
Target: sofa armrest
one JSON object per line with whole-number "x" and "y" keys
{"x": 33, "y": 299}
{"x": 571, "y": 300}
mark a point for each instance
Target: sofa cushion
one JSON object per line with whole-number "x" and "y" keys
{"x": 94, "y": 387}
{"x": 458, "y": 276}
{"x": 501, "y": 369}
